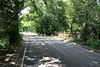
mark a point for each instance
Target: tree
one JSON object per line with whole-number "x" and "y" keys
{"x": 51, "y": 16}
{"x": 86, "y": 17}
{"x": 9, "y": 18}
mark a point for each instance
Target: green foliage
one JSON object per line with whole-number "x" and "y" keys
{"x": 84, "y": 20}
{"x": 86, "y": 16}
{"x": 79, "y": 17}
{"x": 9, "y": 19}
{"x": 4, "y": 42}
{"x": 92, "y": 43}
{"x": 52, "y": 17}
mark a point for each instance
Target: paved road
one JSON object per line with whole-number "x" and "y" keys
{"x": 42, "y": 51}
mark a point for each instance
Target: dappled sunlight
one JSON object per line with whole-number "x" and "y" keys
{"x": 90, "y": 50}
{"x": 39, "y": 57}
{"x": 13, "y": 63}
{"x": 7, "y": 59}
{"x": 9, "y": 55}
{"x": 43, "y": 51}
{"x": 43, "y": 39}
{"x": 49, "y": 62}
{"x": 30, "y": 59}
{"x": 95, "y": 62}
{"x": 46, "y": 62}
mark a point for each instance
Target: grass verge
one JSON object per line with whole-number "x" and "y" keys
{"x": 91, "y": 43}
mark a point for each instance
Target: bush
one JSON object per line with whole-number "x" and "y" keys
{"x": 93, "y": 43}
{"x": 4, "y": 41}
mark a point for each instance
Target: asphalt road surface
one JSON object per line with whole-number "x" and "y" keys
{"x": 43, "y": 51}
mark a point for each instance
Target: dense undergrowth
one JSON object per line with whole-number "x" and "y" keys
{"x": 3, "y": 42}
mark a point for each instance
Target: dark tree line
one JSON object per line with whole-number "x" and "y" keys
{"x": 9, "y": 19}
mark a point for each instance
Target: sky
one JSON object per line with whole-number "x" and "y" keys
{"x": 26, "y": 10}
